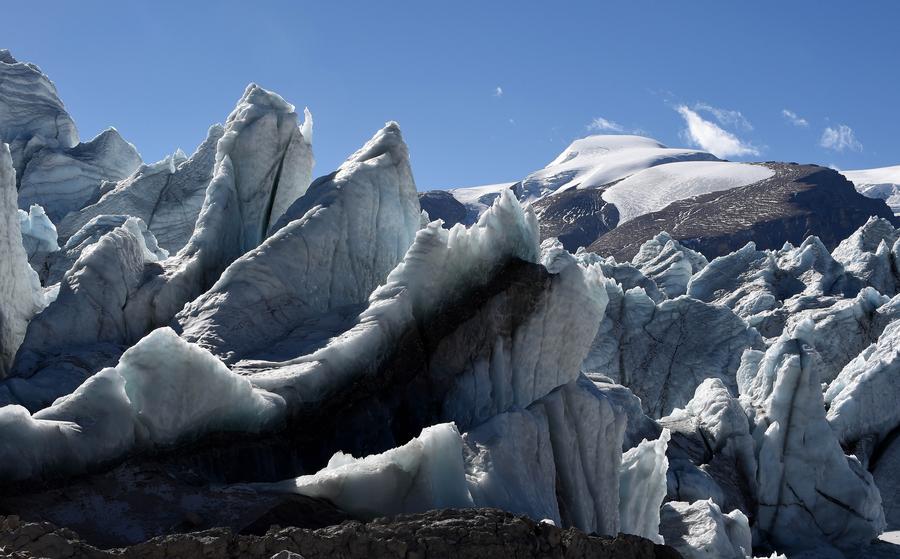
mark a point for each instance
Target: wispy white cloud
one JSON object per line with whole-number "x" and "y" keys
{"x": 498, "y": 92}
{"x": 600, "y": 124}
{"x": 709, "y": 136}
{"x": 794, "y": 118}
{"x": 725, "y": 117}
{"x": 840, "y": 138}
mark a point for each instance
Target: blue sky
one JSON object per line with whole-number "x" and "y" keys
{"x": 485, "y": 91}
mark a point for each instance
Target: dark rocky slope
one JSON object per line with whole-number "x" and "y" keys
{"x": 798, "y": 201}
{"x": 471, "y": 533}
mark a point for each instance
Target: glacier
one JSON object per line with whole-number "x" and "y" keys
{"x": 223, "y": 329}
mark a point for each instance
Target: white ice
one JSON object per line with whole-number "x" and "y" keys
{"x": 163, "y": 391}
{"x": 809, "y": 491}
{"x": 20, "y": 289}
{"x": 334, "y": 247}
{"x": 642, "y": 487}
{"x": 700, "y": 530}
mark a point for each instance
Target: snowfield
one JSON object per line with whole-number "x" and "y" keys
{"x": 882, "y": 183}
{"x": 655, "y": 188}
{"x": 598, "y": 160}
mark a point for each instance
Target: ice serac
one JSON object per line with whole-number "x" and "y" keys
{"x": 63, "y": 181}
{"x": 700, "y": 530}
{"x": 88, "y": 309}
{"x": 269, "y": 160}
{"x": 38, "y": 235}
{"x": 809, "y": 491}
{"x": 332, "y": 248}
{"x": 31, "y": 113}
{"x": 668, "y": 263}
{"x": 658, "y": 352}
{"x": 637, "y": 425}
{"x": 765, "y": 287}
{"x": 57, "y": 264}
{"x": 711, "y": 454}
{"x": 863, "y": 413}
{"x": 53, "y": 169}
{"x": 138, "y": 296}
{"x": 867, "y": 255}
{"x": 586, "y": 432}
{"x": 642, "y": 487}
{"x": 845, "y": 328}
{"x": 166, "y": 195}
{"x": 164, "y": 391}
{"x": 509, "y": 463}
{"x": 20, "y": 288}
{"x": 467, "y": 326}
{"x": 626, "y": 274}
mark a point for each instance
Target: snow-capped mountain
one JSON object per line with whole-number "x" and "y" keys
{"x": 222, "y": 342}
{"x": 638, "y": 187}
{"x": 882, "y": 183}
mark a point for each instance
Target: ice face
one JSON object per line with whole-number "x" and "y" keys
{"x": 167, "y": 196}
{"x": 642, "y": 487}
{"x": 862, "y": 396}
{"x": 31, "y": 113}
{"x": 38, "y": 234}
{"x": 515, "y": 461}
{"x": 338, "y": 244}
{"x": 163, "y": 391}
{"x": 63, "y": 181}
{"x": 809, "y": 491}
{"x": 669, "y": 264}
{"x": 656, "y": 351}
{"x": 700, "y": 530}
{"x": 20, "y": 288}
{"x": 711, "y": 453}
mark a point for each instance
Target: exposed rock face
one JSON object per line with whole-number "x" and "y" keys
{"x": 440, "y": 204}
{"x": 466, "y": 534}
{"x": 798, "y": 201}
{"x": 576, "y": 217}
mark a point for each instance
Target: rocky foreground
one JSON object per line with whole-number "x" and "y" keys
{"x": 471, "y": 533}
